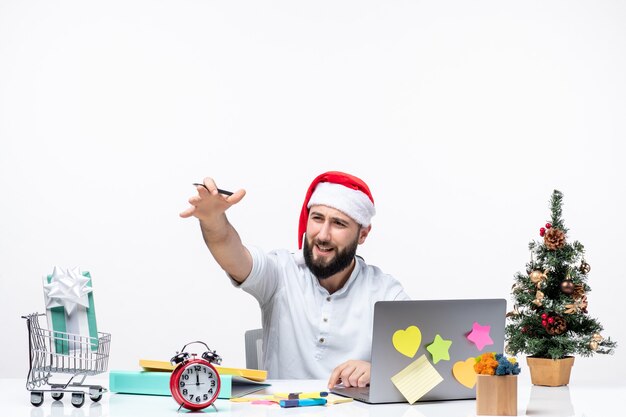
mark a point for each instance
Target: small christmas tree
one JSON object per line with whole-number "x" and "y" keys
{"x": 550, "y": 318}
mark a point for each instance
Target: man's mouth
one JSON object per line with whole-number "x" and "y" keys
{"x": 324, "y": 249}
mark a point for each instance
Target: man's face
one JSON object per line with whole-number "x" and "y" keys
{"x": 331, "y": 241}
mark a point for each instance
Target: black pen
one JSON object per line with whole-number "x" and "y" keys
{"x": 218, "y": 190}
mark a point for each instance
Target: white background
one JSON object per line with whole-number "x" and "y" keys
{"x": 462, "y": 116}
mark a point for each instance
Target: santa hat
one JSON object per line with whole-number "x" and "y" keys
{"x": 340, "y": 191}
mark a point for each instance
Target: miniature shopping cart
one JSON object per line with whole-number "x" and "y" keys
{"x": 53, "y": 352}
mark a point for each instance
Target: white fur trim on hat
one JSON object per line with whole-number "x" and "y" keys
{"x": 353, "y": 203}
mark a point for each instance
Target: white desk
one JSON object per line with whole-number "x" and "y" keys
{"x": 581, "y": 401}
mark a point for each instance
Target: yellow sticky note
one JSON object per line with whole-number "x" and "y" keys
{"x": 337, "y": 399}
{"x": 416, "y": 379}
{"x": 464, "y": 372}
{"x": 407, "y": 341}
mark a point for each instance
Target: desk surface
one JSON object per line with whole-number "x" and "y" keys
{"x": 582, "y": 401}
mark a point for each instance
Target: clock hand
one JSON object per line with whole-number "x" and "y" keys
{"x": 197, "y": 379}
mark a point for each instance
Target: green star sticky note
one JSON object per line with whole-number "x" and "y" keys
{"x": 439, "y": 349}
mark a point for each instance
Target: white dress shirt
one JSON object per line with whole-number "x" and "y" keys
{"x": 307, "y": 332}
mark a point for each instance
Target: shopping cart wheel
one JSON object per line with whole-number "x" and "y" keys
{"x": 78, "y": 399}
{"x": 95, "y": 393}
{"x": 36, "y": 398}
{"x": 57, "y": 396}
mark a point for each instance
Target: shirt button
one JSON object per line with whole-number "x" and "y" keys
{"x": 321, "y": 340}
{"x": 327, "y": 298}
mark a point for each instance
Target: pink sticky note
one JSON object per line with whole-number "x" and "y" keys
{"x": 480, "y": 335}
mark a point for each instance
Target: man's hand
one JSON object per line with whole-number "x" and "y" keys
{"x": 208, "y": 205}
{"x": 352, "y": 373}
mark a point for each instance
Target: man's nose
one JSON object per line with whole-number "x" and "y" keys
{"x": 324, "y": 233}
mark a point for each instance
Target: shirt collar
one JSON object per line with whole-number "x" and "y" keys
{"x": 353, "y": 276}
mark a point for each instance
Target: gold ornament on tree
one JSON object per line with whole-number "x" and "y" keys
{"x": 595, "y": 341}
{"x": 567, "y": 286}
{"x": 578, "y": 306}
{"x": 514, "y": 312}
{"x": 538, "y": 298}
{"x": 554, "y": 238}
{"x": 585, "y": 268}
{"x": 539, "y": 278}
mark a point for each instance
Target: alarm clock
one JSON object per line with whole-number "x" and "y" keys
{"x": 195, "y": 383}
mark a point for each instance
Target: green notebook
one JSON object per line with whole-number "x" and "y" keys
{"x": 158, "y": 383}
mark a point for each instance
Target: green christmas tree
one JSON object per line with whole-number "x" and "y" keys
{"x": 550, "y": 318}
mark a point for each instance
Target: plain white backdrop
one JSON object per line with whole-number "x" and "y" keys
{"x": 462, "y": 117}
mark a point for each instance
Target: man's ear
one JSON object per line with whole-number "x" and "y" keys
{"x": 363, "y": 233}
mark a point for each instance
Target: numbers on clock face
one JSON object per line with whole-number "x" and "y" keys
{"x": 197, "y": 383}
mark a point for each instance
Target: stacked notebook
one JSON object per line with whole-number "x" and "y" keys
{"x": 154, "y": 379}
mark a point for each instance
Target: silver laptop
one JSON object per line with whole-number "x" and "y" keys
{"x": 453, "y": 320}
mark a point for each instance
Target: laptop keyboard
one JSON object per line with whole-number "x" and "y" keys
{"x": 359, "y": 393}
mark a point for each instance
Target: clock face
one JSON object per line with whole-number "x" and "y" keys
{"x": 198, "y": 384}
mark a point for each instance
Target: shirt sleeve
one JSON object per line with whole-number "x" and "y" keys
{"x": 395, "y": 291}
{"x": 264, "y": 278}
{"x": 401, "y": 296}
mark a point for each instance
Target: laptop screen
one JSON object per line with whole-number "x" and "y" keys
{"x": 430, "y": 346}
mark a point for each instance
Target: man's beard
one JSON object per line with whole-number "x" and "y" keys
{"x": 341, "y": 261}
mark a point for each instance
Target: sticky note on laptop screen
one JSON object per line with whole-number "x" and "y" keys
{"x": 416, "y": 379}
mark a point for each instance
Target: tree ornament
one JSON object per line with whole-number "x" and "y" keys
{"x": 583, "y": 304}
{"x": 539, "y": 278}
{"x": 515, "y": 288}
{"x": 554, "y": 239}
{"x": 548, "y": 225}
{"x": 579, "y": 292}
{"x": 557, "y": 326}
{"x": 544, "y": 316}
{"x": 578, "y": 306}
{"x": 595, "y": 341}
{"x": 538, "y": 297}
{"x": 514, "y": 312}
{"x": 585, "y": 268}
{"x": 542, "y": 232}
{"x": 567, "y": 286}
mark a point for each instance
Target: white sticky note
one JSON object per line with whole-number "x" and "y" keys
{"x": 416, "y": 379}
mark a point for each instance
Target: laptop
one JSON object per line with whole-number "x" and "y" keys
{"x": 452, "y": 320}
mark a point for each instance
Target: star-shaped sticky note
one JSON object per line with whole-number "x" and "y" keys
{"x": 480, "y": 335}
{"x": 439, "y": 349}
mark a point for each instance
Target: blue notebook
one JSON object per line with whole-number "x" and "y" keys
{"x": 158, "y": 383}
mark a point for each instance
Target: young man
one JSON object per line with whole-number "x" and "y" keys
{"x": 317, "y": 304}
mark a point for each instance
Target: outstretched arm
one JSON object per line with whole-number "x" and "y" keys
{"x": 219, "y": 235}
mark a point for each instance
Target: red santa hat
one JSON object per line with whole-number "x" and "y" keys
{"x": 340, "y": 191}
